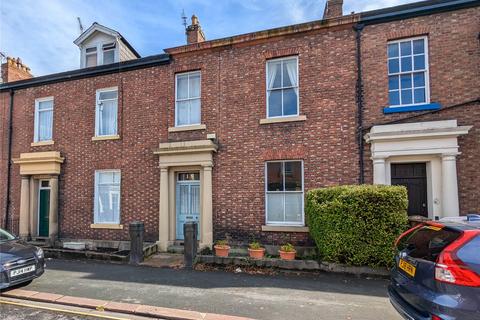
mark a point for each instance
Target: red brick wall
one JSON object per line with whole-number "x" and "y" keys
{"x": 454, "y": 61}
{"x": 233, "y": 102}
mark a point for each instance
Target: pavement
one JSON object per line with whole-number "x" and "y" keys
{"x": 15, "y": 309}
{"x": 284, "y": 296}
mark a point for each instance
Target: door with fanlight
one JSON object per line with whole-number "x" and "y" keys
{"x": 187, "y": 200}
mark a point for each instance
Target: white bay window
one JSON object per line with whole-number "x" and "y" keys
{"x": 284, "y": 193}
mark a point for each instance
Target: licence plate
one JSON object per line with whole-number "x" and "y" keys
{"x": 17, "y": 272}
{"x": 407, "y": 267}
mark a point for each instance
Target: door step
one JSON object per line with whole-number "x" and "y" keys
{"x": 175, "y": 248}
{"x": 40, "y": 241}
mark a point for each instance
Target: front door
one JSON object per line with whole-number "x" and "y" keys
{"x": 414, "y": 177}
{"x": 187, "y": 200}
{"x": 43, "y": 208}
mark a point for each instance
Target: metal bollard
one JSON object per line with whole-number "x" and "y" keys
{"x": 190, "y": 244}
{"x": 136, "y": 230}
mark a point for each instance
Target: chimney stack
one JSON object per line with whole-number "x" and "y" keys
{"x": 14, "y": 70}
{"x": 194, "y": 32}
{"x": 333, "y": 9}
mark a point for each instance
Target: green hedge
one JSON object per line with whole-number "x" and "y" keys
{"x": 357, "y": 225}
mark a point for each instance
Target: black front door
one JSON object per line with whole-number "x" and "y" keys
{"x": 414, "y": 177}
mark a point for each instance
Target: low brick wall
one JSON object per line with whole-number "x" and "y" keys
{"x": 302, "y": 265}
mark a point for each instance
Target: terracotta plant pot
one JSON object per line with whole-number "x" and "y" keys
{"x": 284, "y": 255}
{"x": 256, "y": 253}
{"x": 221, "y": 251}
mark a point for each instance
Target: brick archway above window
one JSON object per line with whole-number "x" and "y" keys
{"x": 407, "y": 33}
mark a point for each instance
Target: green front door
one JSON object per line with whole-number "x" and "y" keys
{"x": 43, "y": 212}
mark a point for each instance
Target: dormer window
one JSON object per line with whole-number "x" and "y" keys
{"x": 108, "y": 53}
{"x": 91, "y": 57}
{"x": 100, "y": 45}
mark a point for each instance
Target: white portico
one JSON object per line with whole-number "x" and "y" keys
{"x": 431, "y": 144}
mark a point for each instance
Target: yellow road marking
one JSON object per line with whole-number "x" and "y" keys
{"x": 62, "y": 310}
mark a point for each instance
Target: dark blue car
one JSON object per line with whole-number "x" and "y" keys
{"x": 20, "y": 262}
{"x": 437, "y": 271}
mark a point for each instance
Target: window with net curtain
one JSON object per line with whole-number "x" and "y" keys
{"x": 107, "y": 196}
{"x": 106, "y": 115}
{"x": 284, "y": 192}
{"x": 187, "y": 99}
{"x": 43, "y": 119}
{"x": 282, "y": 87}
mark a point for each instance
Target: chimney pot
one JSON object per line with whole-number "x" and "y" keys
{"x": 194, "y": 32}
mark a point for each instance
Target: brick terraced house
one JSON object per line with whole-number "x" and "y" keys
{"x": 233, "y": 132}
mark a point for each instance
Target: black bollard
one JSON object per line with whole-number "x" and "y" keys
{"x": 190, "y": 244}
{"x": 136, "y": 230}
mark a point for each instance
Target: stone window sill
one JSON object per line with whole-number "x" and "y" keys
{"x": 106, "y": 226}
{"x": 42, "y": 143}
{"x": 420, "y": 107}
{"x": 100, "y": 138}
{"x": 283, "y": 119}
{"x": 188, "y": 128}
{"x": 285, "y": 229}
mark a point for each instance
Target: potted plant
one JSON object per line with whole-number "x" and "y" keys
{"x": 287, "y": 252}
{"x": 255, "y": 250}
{"x": 222, "y": 248}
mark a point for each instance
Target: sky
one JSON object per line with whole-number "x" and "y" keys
{"x": 41, "y": 32}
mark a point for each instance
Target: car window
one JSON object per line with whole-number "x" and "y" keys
{"x": 427, "y": 242}
{"x": 5, "y": 236}
{"x": 469, "y": 254}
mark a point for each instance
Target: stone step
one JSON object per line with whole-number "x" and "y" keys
{"x": 175, "y": 248}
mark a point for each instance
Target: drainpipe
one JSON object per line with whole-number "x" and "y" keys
{"x": 9, "y": 162}
{"x": 359, "y": 98}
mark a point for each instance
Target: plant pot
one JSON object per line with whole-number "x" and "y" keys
{"x": 284, "y": 255}
{"x": 256, "y": 253}
{"x": 222, "y": 251}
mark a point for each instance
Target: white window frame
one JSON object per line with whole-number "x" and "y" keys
{"x": 114, "y": 49}
{"x": 400, "y": 73}
{"x": 188, "y": 94}
{"x": 96, "y": 194}
{"x": 97, "y": 111}
{"x": 86, "y": 54}
{"x": 99, "y": 52}
{"x": 37, "y": 117}
{"x": 283, "y": 88}
{"x": 285, "y": 223}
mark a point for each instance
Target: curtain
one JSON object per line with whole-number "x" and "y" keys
{"x": 108, "y": 118}
{"x": 194, "y": 83}
{"x": 291, "y": 67}
{"x": 45, "y": 123}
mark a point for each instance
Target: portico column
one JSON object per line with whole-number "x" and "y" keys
{"x": 24, "y": 223}
{"x": 53, "y": 210}
{"x": 207, "y": 214}
{"x": 163, "y": 217}
{"x": 379, "y": 171}
{"x": 450, "y": 205}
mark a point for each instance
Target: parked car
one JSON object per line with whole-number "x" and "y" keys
{"x": 20, "y": 262}
{"x": 437, "y": 271}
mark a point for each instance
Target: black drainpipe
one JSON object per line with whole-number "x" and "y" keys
{"x": 9, "y": 161}
{"x": 359, "y": 98}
